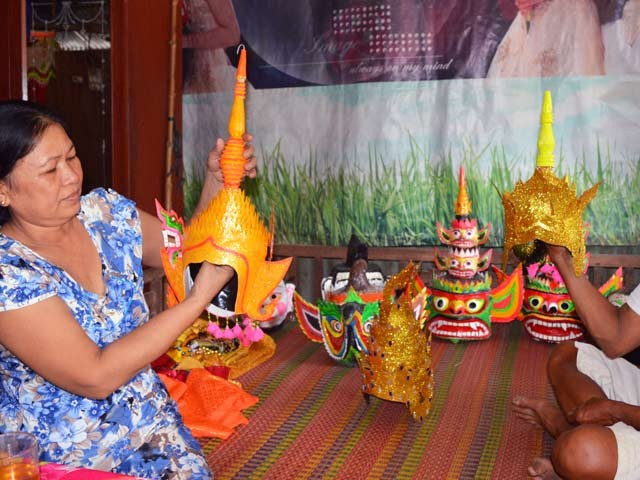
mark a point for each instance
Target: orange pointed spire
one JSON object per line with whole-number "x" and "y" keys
{"x": 232, "y": 161}
{"x": 463, "y": 204}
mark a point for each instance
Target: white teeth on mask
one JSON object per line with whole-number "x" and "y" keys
{"x": 478, "y": 329}
{"x": 572, "y": 329}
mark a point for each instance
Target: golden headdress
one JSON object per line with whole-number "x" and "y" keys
{"x": 463, "y": 204}
{"x": 229, "y": 231}
{"x": 397, "y": 366}
{"x": 546, "y": 207}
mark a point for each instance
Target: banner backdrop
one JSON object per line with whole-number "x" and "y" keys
{"x": 363, "y": 111}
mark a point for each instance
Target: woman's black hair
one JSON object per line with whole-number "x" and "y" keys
{"x": 22, "y": 123}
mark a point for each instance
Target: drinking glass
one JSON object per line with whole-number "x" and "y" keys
{"x": 19, "y": 456}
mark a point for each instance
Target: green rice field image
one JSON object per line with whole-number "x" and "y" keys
{"x": 396, "y": 202}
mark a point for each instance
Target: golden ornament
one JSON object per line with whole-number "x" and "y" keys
{"x": 545, "y": 207}
{"x": 397, "y": 366}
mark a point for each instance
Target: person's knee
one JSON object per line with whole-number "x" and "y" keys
{"x": 586, "y": 452}
{"x": 562, "y": 355}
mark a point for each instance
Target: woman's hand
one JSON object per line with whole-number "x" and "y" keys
{"x": 214, "y": 181}
{"x": 213, "y": 161}
{"x": 209, "y": 281}
{"x": 525, "y": 6}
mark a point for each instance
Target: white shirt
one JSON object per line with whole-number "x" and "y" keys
{"x": 634, "y": 300}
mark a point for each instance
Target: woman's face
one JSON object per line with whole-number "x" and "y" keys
{"x": 44, "y": 187}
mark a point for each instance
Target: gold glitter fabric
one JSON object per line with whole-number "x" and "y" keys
{"x": 546, "y": 207}
{"x": 196, "y": 348}
{"x": 398, "y": 366}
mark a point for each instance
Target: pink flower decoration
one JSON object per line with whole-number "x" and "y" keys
{"x": 253, "y": 334}
{"x": 532, "y": 270}
{"x": 550, "y": 270}
{"x": 227, "y": 333}
{"x": 214, "y": 329}
{"x": 237, "y": 331}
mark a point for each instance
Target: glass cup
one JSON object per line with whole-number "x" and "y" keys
{"x": 19, "y": 456}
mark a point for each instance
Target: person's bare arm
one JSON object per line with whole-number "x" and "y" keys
{"x": 47, "y": 338}
{"x": 226, "y": 34}
{"x": 152, "y": 240}
{"x": 615, "y": 330}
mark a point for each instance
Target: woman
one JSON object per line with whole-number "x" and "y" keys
{"x": 75, "y": 335}
{"x": 211, "y": 26}
{"x": 551, "y": 38}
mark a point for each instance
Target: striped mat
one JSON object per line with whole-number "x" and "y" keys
{"x": 312, "y": 422}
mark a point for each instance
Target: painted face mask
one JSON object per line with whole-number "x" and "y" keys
{"x": 228, "y": 231}
{"x": 548, "y": 312}
{"x": 282, "y": 297}
{"x": 462, "y": 304}
{"x": 350, "y": 296}
{"x": 397, "y": 365}
{"x": 465, "y": 310}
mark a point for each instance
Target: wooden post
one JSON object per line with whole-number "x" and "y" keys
{"x": 168, "y": 182}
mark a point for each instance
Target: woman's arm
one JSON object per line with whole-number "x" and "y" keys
{"x": 47, "y": 338}
{"x": 152, "y": 240}
{"x": 225, "y": 34}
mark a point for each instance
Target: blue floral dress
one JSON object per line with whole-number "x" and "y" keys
{"x": 137, "y": 430}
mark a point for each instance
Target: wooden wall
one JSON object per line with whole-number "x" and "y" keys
{"x": 140, "y": 36}
{"x": 76, "y": 94}
{"x": 12, "y": 57}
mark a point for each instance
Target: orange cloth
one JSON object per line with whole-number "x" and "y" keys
{"x": 210, "y": 406}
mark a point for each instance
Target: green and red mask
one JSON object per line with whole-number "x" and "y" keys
{"x": 342, "y": 319}
{"x": 462, "y": 304}
{"x": 464, "y": 309}
{"x": 346, "y": 328}
{"x": 548, "y": 312}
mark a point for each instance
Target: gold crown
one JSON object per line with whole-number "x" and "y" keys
{"x": 546, "y": 207}
{"x": 229, "y": 231}
{"x": 397, "y": 366}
